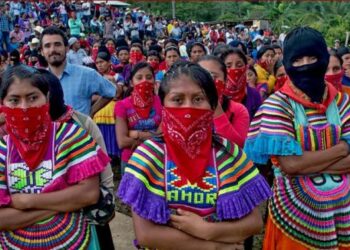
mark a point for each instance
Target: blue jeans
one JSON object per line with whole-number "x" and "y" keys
{"x": 5, "y": 38}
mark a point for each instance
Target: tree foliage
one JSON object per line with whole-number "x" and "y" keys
{"x": 331, "y": 18}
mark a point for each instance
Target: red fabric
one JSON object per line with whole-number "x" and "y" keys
{"x": 111, "y": 49}
{"x": 154, "y": 65}
{"x": 67, "y": 115}
{"x": 280, "y": 81}
{"x": 264, "y": 65}
{"x": 335, "y": 80}
{"x": 29, "y": 129}
{"x": 297, "y": 95}
{"x": 162, "y": 66}
{"x": 236, "y": 84}
{"x": 135, "y": 57}
{"x": 94, "y": 53}
{"x": 220, "y": 87}
{"x": 233, "y": 124}
{"x": 142, "y": 98}
{"x": 188, "y": 136}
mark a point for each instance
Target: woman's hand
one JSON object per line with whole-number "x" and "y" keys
{"x": 21, "y": 201}
{"x": 134, "y": 134}
{"x": 189, "y": 223}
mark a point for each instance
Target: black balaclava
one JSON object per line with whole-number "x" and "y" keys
{"x": 305, "y": 41}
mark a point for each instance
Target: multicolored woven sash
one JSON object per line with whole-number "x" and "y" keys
{"x": 314, "y": 209}
{"x": 62, "y": 231}
{"x": 199, "y": 198}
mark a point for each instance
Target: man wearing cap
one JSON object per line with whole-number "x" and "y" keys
{"x": 79, "y": 83}
{"x": 17, "y": 34}
{"x": 75, "y": 54}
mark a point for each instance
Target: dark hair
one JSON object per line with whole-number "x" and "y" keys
{"x": 343, "y": 51}
{"x": 172, "y": 48}
{"x": 53, "y": 30}
{"x": 56, "y": 96}
{"x": 197, "y": 74}
{"x": 226, "y": 100}
{"x": 276, "y": 46}
{"x": 235, "y": 51}
{"x": 171, "y": 40}
{"x": 110, "y": 39}
{"x": 263, "y": 50}
{"x": 122, "y": 48}
{"x": 236, "y": 43}
{"x": 139, "y": 66}
{"x": 137, "y": 45}
{"x": 334, "y": 53}
{"x": 104, "y": 54}
{"x": 22, "y": 72}
{"x": 220, "y": 49}
{"x": 277, "y": 65}
{"x": 191, "y": 45}
{"x": 154, "y": 53}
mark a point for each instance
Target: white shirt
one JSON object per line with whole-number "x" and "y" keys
{"x": 87, "y": 9}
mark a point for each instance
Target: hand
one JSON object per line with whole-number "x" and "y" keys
{"x": 21, "y": 201}
{"x": 345, "y": 146}
{"x": 134, "y": 134}
{"x": 233, "y": 246}
{"x": 190, "y": 223}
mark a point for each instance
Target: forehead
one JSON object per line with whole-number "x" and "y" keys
{"x": 184, "y": 85}
{"x": 52, "y": 39}
{"x": 21, "y": 87}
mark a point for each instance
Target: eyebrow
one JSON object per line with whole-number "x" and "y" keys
{"x": 32, "y": 93}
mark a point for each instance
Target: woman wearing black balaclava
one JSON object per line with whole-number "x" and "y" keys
{"x": 304, "y": 128}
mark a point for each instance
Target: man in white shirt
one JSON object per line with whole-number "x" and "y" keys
{"x": 86, "y": 7}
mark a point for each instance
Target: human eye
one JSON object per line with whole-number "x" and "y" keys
{"x": 33, "y": 98}
{"x": 198, "y": 99}
{"x": 176, "y": 99}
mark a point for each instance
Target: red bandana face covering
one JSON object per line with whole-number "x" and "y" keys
{"x": 111, "y": 50}
{"x": 280, "y": 81}
{"x": 135, "y": 57}
{"x": 188, "y": 136}
{"x": 264, "y": 65}
{"x": 220, "y": 88}
{"x": 335, "y": 80}
{"x": 94, "y": 53}
{"x": 142, "y": 98}
{"x": 236, "y": 84}
{"x": 154, "y": 65}
{"x": 29, "y": 129}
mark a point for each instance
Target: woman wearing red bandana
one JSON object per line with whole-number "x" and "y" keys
{"x": 154, "y": 59}
{"x": 264, "y": 68}
{"x": 49, "y": 171}
{"x": 334, "y": 74}
{"x": 237, "y": 88}
{"x": 135, "y": 56}
{"x": 139, "y": 115}
{"x": 191, "y": 189}
{"x": 280, "y": 75}
{"x": 304, "y": 128}
{"x": 231, "y": 119}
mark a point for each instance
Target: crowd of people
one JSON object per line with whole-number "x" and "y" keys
{"x": 202, "y": 122}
